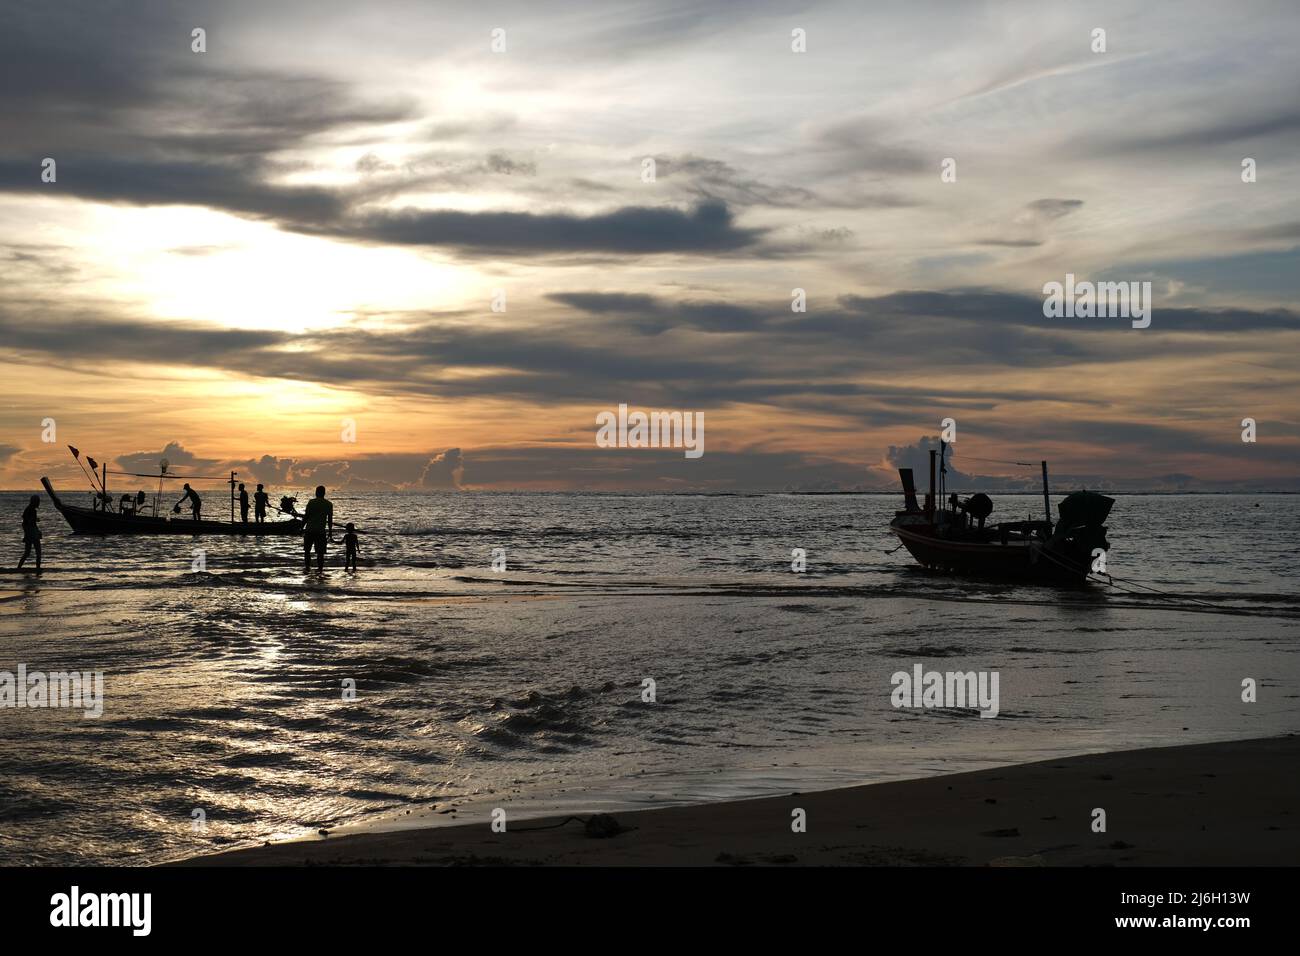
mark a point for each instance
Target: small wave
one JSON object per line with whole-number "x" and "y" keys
{"x": 928, "y": 650}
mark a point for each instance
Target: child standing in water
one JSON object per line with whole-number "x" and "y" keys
{"x": 351, "y": 546}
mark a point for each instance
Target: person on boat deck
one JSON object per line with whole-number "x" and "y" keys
{"x": 351, "y": 546}
{"x": 318, "y": 525}
{"x": 195, "y": 504}
{"x": 243, "y": 504}
{"x": 260, "y": 500}
{"x": 31, "y": 532}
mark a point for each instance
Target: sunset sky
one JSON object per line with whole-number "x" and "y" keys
{"x": 308, "y": 222}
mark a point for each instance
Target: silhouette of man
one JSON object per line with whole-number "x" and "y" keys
{"x": 260, "y": 500}
{"x": 195, "y": 504}
{"x": 31, "y": 532}
{"x": 318, "y": 524}
{"x": 243, "y": 504}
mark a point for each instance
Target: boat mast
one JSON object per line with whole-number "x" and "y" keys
{"x": 1047, "y": 501}
{"x": 929, "y": 500}
{"x": 232, "y": 497}
{"x": 942, "y": 500}
{"x": 157, "y": 499}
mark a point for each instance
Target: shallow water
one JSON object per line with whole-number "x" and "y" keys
{"x": 523, "y": 688}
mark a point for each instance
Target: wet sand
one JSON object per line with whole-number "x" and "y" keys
{"x": 1220, "y": 804}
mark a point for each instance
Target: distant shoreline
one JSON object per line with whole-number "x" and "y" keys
{"x": 1031, "y": 492}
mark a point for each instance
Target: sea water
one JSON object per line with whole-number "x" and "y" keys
{"x": 248, "y": 700}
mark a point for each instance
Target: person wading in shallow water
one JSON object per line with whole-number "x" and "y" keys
{"x": 31, "y": 532}
{"x": 351, "y": 546}
{"x": 318, "y": 525}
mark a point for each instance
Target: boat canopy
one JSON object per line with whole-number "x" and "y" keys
{"x": 1087, "y": 508}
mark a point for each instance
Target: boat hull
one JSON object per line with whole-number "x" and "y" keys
{"x": 1029, "y": 560}
{"x": 90, "y": 521}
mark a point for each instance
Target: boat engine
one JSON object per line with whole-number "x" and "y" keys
{"x": 978, "y": 506}
{"x": 1083, "y": 517}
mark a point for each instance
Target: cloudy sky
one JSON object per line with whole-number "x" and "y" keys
{"x": 309, "y": 223}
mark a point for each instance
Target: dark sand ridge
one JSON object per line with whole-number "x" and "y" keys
{"x": 1235, "y": 803}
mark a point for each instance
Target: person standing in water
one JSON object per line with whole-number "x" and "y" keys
{"x": 351, "y": 546}
{"x": 195, "y": 504}
{"x": 243, "y": 504}
{"x": 31, "y": 532}
{"x": 260, "y": 500}
{"x": 317, "y": 526}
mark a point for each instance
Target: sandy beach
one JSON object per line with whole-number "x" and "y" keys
{"x": 1221, "y": 804}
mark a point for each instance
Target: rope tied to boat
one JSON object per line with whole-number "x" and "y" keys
{"x": 1110, "y": 580}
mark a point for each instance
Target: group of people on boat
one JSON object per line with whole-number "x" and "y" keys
{"x": 317, "y": 522}
{"x": 260, "y": 500}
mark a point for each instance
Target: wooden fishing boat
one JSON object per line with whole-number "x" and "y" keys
{"x": 103, "y": 520}
{"x": 956, "y": 539}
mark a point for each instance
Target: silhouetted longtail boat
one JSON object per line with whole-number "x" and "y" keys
{"x": 955, "y": 538}
{"x": 95, "y": 521}
{"x": 132, "y": 515}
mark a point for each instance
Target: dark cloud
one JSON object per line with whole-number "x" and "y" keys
{"x": 120, "y": 86}
{"x": 917, "y": 457}
{"x": 995, "y": 309}
{"x": 218, "y": 185}
{"x": 387, "y": 471}
{"x": 709, "y": 227}
{"x": 180, "y": 461}
{"x": 1010, "y": 243}
{"x": 443, "y": 471}
{"x": 651, "y": 315}
{"x": 617, "y": 303}
{"x": 270, "y": 469}
{"x": 168, "y": 127}
{"x": 618, "y": 346}
{"x": 713, "y": 178}
{"x": 502, "y": 164}
{"x": 1054, "y": 208}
